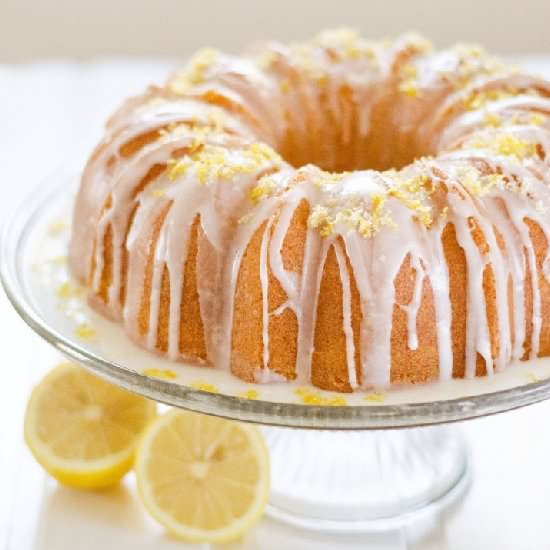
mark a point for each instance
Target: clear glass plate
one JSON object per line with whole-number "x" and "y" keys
{"x": 18, "y": 249}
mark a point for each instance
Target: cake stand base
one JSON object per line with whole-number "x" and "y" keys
{"x": 364, "y": 481}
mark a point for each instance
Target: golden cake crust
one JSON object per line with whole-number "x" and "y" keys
{"x": 343, "y": 213}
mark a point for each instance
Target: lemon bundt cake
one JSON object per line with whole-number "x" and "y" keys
{"x": 342, "y": 212}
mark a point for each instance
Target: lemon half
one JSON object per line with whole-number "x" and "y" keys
{"x": 83, "y": 430}
{"x": 203, "y": 478}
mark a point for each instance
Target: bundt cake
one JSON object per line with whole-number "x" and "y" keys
{"x": 342, "y": 212}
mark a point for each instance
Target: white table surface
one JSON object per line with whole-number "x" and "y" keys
{"x": 51, "y": 112}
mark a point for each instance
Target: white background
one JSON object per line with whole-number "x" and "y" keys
{"x": 88, "y": 28}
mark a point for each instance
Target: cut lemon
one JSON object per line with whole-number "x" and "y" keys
{"x": 83, "y": 430}
{"x": 203, "y": 478}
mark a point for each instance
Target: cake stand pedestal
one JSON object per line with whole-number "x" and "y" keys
{"x": 341, "y": 469}
{"x": 364, "y": 481}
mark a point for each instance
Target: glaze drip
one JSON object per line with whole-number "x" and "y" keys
{"x": 230, "y": 181}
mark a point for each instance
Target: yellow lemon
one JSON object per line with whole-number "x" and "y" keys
{"x": 83, "y": 430}
{"x": 203, "y": 478}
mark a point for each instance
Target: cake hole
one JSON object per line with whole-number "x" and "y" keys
{"x": 342, "y": 145}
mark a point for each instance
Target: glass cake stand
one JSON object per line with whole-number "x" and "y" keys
{"x": 334, "y": 468}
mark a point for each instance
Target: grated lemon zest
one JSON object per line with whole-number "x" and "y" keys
{"x": 165, "y": 374}
{"x": 204, "y": 386}
{"x": 85, "y": 331}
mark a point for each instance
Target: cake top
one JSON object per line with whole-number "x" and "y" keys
{"x": 480, "y": 114}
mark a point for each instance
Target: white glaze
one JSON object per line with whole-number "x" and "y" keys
{"x": 287, "y": 103}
